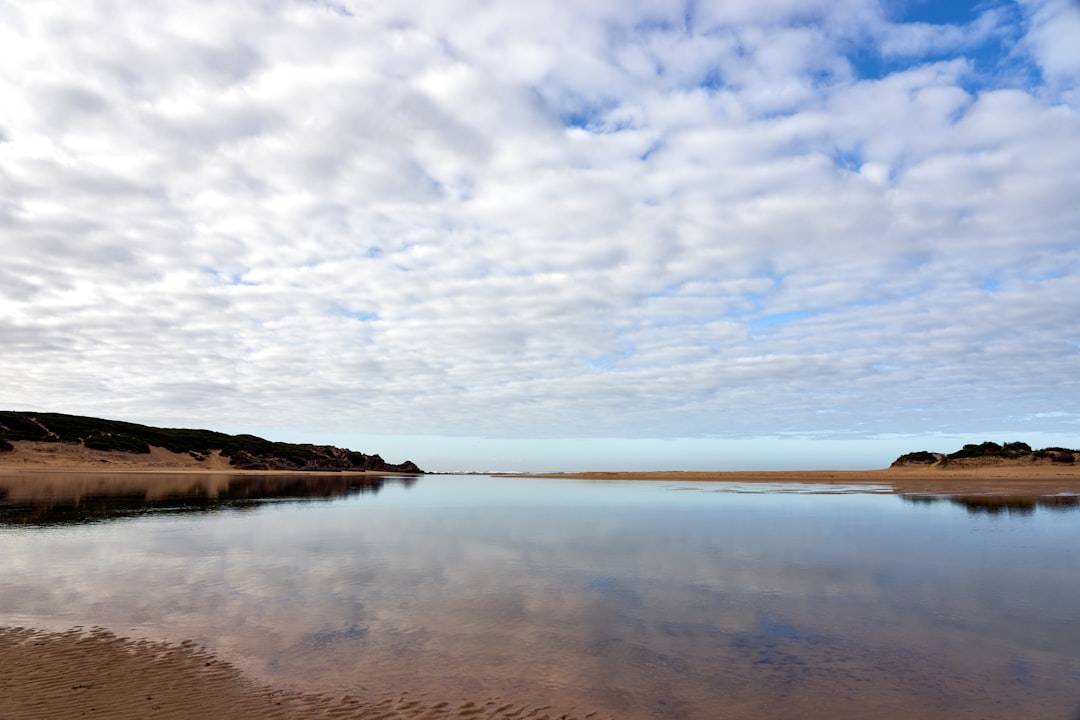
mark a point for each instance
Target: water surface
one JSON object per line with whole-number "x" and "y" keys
{"x": 639, "y": 599}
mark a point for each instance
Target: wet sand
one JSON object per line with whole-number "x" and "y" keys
{"x": 86, "y": 674}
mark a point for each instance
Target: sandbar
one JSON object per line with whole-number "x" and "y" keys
{"x": 959, "y": 478}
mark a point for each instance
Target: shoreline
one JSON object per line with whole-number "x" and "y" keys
{"x": 60, "y": 464}
{"x": 971, "y": 478}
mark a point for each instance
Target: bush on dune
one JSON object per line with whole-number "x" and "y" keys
{"x": 1006, "y": 451}
{"x": 921, "y": 457}
{"x": 992, "y": 449}
{"x": 110, "y": 442}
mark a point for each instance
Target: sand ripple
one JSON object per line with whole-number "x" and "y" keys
{"x": 88, "y": 674}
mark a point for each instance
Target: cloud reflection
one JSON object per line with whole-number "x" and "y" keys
{"x": 773, "y": 603}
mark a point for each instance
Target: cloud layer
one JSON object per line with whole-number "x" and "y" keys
{"x": 555, "y": 220}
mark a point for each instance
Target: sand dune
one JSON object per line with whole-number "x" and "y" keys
{"x": 56, "y": 456}
{"x": 90, "y": 674}
{"x": 72, "y": 456}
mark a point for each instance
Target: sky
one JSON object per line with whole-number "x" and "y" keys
{"x": 770, "y": 234}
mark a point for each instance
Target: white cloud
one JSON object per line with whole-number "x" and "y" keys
{"x": 535, "y": 221}
{"x": 921, "y": 38}
{"x": 1054, "y": 26}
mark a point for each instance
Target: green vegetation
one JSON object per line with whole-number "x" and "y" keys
{"x": 992, "y": 449}
{"x": 244, "y": 451}
{"x": 116, "y": 442}
{"x": 922, "y": 457}
{"x": 1057, "y": 454}
{"x": 1007, "y": 451}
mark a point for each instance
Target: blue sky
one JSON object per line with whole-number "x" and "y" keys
{"x": 548, "y": 236}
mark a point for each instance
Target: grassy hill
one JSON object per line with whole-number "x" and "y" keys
{"x": 245, "y": 452}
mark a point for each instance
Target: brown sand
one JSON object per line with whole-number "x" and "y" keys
{"x": 73, "y": 456}
{"x": 91, "y": 674}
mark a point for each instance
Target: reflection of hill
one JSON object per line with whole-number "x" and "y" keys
{"x": 128, "y": 497}
{"x": 1002, "y": 504}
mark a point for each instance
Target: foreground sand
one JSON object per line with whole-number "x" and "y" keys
{"x": 96, "y": 674}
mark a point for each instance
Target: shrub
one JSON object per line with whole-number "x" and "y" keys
{"x": 992, "y": 449}
{"x": 116, "y": 443}
{"x": 986, "y": 449}
{"x": 1016, "y": 449}
{"x": 922, "y": 457}
{"x": 1057, "y": 454}
{"x": 20, "y": 426}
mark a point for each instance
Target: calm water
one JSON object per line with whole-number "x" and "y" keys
{"x": 642, "y": 600}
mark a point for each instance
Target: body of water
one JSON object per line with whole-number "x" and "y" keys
{"x": 636, "y": 599}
